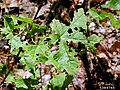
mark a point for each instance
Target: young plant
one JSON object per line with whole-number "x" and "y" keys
{"x": 63, "y": 58}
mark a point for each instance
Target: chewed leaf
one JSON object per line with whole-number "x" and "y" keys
{"x": 66, "y": 59}
{"x": 79, "y": 20}
{"x": 58, "y": 27}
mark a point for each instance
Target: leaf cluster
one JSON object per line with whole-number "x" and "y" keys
{"x": 63, "y": 59}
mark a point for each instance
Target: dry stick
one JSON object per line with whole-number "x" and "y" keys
{"x": 37, "y": 12}
{"x": 39, "y": 7}
{"x": 52, "y": 12}
{"x": 15, "y": 61}
{"x": 85, "y": 59}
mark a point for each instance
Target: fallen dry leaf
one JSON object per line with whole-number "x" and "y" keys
{"x": 115, "y": 47}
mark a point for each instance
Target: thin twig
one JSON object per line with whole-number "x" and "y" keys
{"x": 16, "y": 59}
{"x": 37, "y": 12}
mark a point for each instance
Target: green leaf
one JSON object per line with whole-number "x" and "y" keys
{"x": 46, "y": 87}
{"x": 94, "y": 39}
{"x": 79, "y": 20}
{"x": 115, "y": 4}
{"x": 76, "y": 37}
{"x": 14, "y": 20}
{"x": 37, "y": 73}
{"x": 94, "y": 14}
{"x": 38, "y": 29}
{"x": 112, "y": 4}
{"x": 31, "y": 51}
{"x": 91, "y": 47}
{"x": 14, "y": 41}
{"x": 23, "y": 19}
{"x": 20, "y": 83}
{"x": 66, "y": 59}
{"x": 10, "y": 78}
{"x": 28, "y": 62}
{"x": 1, "y": 67}
{"x": 115, "y": 23}
{"x": 104, "y": 14}
{"x": 8, "y": 23}
{"x": 21, "y": 26}
{"x": 58, "y": 81}
{"x": 58, "y": 27}
{"x": 53, "y": 38}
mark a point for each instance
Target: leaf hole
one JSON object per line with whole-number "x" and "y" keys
{"x": 76, "y": 28}
{"x": 37, "y": 54}
{"x": 70, "y": 31}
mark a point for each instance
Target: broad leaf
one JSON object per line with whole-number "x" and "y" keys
{"x": 58, "y": 27}
{"x": 28, "y": 62}
{"x": 20, "y": 83}
{"x": 66, "y": 59}
{"x": 79, "y": 20}
{"x": 58, "y": 81}
{"x": 10, "y": 78}
{"x": 14, "y": 41}
{"x": 76, "y": 37}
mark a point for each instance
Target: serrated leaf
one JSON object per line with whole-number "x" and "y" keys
{"x": 79, "y": 20}
{"x": 14, "y": 41}
{"x": 72, "y": 67}
{"x": 66, "y": 59}
{"x": 31, "y": 51}
{"x": 58, "y": 27}
{"x": 20, "y": 83}
{"x": 94, "y": 39}
{"x": 76, "y": 37}
{"x": 53, "y": 38}
{"x": 28, "y": 62}
{"x": 91, "y": 47}
{"x": 58, "y": 81}
{"x": 112, "y": 4}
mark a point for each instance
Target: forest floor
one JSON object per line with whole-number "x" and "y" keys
{"x": 104, "y": 66}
